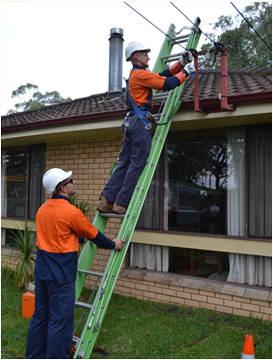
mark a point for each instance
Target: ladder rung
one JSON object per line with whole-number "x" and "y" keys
{"x": 111, "y": 215}
{"x": 182, "y": 37}
{"x": 83, "y": 305}
{"x": 88, "y": 272}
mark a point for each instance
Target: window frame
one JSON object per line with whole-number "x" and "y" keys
{"x": 246, "y": 236}
{"x": 29, "y": 152}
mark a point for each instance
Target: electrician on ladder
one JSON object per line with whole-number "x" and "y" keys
{"x": 136, "y": 127}
{"x": 58, "y": 227}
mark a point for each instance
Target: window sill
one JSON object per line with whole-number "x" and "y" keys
{"x": 226, "y": 288}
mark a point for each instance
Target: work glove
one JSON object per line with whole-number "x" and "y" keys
{"x": 186, "y": 57}
{"x": 189, "y": 69}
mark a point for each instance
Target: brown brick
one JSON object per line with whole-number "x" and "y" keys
{"x": 223, "y": 296}
{"x": 213, "y": 300}
{"x": 169, "y": 292}
{"x": 266, "y": 310}
{"x": 241, "y": 312}
{"x": 258, "y": 302}
{"x": 199, "y": 297}
{"x": 233, "y": 304}
{"x": 149, "y": 295}
{"x": 136, "y": 292}
{"x": 192, "y": 303}
{"x": 177, "y": 300}
{"x": 142, "y": 287}
{"x": 250, "y": 307}
{"x": 162, "y": 297}
{"x": 155, "y": 289}
{"x": 183, "y": 295}
{"x": 224, "y": 309}
{"x": 207, "y": 306}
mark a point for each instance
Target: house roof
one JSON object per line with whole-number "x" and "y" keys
{"x": 244, "y": 85}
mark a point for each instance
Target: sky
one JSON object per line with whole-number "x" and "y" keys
{"x": 63, "y": 45}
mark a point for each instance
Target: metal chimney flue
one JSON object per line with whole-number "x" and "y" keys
{"x": 115, "y": 63}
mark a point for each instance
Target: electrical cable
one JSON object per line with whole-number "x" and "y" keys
{"x": 154, "y": 25}
{"x": 251, "y": 27}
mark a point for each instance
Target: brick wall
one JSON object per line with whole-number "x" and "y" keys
{"x": 91, "y": 161}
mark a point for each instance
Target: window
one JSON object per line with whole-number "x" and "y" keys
{"x": 22, "y": 169}
{"x": 197, "y": 182}
{"x": 219, "y": 182}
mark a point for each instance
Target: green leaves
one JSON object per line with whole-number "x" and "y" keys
{"x": 245, "y": 48}
{"x": 22, "y": 255}
{"x": 35, "y": 99}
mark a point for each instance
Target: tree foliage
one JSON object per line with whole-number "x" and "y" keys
{"x": 35, "y": 98}
{"x": 245, "y": 48}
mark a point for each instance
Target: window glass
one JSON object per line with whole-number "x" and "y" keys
{"x": 37, "y": 170}
{"x": 201, "y": 263}
{"x": 14, "y": 182}
{"x": 197, "y": 182}
{"x": 260, "y": 182}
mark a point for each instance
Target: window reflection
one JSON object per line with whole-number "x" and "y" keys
{"x": 197, "y": 184}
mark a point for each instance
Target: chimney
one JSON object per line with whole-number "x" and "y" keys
{"x": 115, "y": 63}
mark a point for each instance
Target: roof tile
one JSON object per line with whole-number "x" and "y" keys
{"x": 240, "y": 81}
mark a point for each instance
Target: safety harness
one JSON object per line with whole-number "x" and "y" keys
{"x": 138, "y": 112}
{"x": 145, "y": 116}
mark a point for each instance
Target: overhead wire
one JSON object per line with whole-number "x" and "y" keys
{"x": 153, "y": 24}
{"x": 251, "y": 27}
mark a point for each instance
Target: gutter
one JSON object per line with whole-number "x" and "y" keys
{"x": 210, "y": 105}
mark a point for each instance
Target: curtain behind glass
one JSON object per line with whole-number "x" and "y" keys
{"x": 150, "y": 257}
{"x": 249, "y": 269}
{"x": 37, "y": 170}
{"x": 260, "y": 184}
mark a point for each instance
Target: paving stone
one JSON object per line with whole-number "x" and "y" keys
{"x": 139, "y": 275}
{"x": 233, "y": 290}
{"x": 125, "y": 273}
{"x": 171, "y": 280}
{"x": 211, "y": 286}
{"x": 154, "y": 277}
{"x": 191, "y": 283}
{"x": 256, "y": 294}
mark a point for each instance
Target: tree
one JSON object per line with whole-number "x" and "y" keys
{"x": 36, "y": 99}
{"x": 245, "y": 48}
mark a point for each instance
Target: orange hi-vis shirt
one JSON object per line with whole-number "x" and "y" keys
{"x": 141, "y": 81}
{"x": 59, "y": 225}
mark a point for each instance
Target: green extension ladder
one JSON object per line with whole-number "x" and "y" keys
{"x": 84, "y": 344}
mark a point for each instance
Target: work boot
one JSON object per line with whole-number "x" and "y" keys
{"x": 105, "y": 206}
{"x": 119, "y": 209}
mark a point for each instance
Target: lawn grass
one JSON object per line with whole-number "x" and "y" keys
{"x": 138, "y": 329}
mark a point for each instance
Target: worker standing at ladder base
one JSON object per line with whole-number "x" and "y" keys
{"x": 58, "y": 226}
{"x": 136, "y": 127}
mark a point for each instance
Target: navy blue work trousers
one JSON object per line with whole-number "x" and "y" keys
{"x": 132, "y": 160}
{"x": 50, "y": 330}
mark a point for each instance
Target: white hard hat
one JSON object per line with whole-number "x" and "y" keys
{"x": 132, "y": 47}
{"x": 53, "y": 177}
